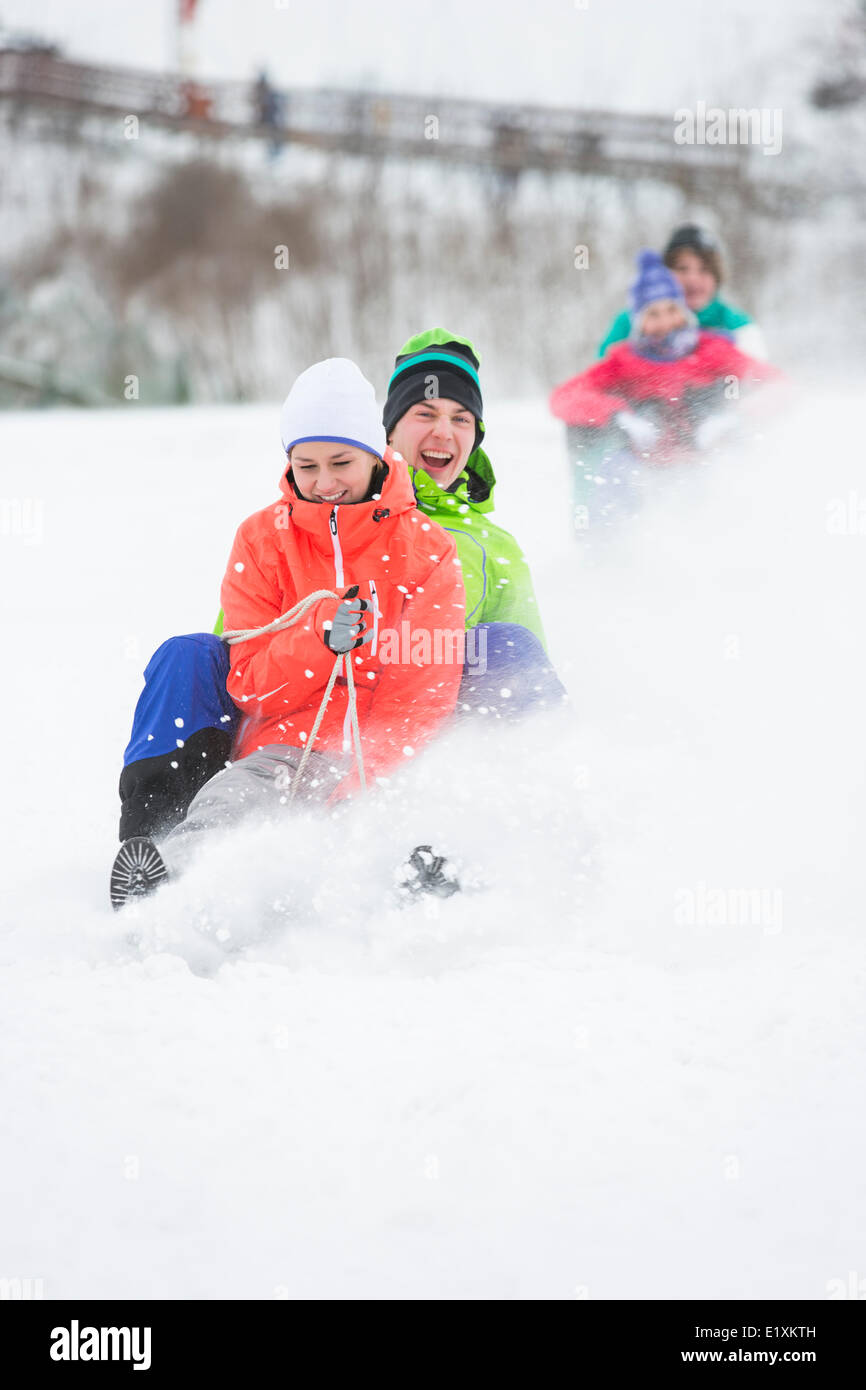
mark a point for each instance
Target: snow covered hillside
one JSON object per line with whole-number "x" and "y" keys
{"x": 625, "y": 1063}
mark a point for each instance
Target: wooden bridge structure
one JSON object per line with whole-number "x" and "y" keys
{"x": 510, "y": 139}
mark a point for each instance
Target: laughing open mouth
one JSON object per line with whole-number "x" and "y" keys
{"x": 435, "y": 458}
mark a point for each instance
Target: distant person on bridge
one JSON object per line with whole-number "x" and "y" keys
{"x": 268, "y": 102}
{"x": 670, "y": 392}
{"x": 269, "y": 108}
{"x": 196, "y": 101}
{"x": 695, "y": 259}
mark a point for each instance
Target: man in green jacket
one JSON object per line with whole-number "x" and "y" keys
{"x": 433, "y": 418}
{"x": 440, "y": 439}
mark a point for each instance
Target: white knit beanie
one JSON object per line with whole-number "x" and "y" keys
{"x": 334, "y": 401}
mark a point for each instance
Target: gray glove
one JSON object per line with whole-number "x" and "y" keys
{"x": 347, "y": 630}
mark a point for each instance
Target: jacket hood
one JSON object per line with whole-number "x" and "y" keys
{"x": 437, "y": 337}
{"x": 473, "y": 487}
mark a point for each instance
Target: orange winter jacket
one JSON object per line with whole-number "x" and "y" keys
{"x": 407, "y": 569}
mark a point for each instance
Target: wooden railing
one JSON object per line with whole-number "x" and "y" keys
{"x": 507, "y": 137}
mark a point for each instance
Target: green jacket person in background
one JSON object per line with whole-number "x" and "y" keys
{"x": 695, "y": 259}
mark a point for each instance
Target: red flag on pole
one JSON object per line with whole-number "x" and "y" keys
{"x": 186, "y": 10}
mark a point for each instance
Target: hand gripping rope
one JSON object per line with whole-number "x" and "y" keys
{"x": 288, "y": 619}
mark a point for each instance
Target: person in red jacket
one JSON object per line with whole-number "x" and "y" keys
{"x": 664, "y": 395}
{"x": 381, "y": 594}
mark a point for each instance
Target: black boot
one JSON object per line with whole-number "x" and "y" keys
{"x": 426, "y": 872}
{"x": 137, "y": 871}
{"x": 155, "y": 793}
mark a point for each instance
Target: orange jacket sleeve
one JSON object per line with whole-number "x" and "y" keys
{"x": 277, "y": 673}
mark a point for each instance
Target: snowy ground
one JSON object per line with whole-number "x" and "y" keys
{"x": 627, "y": 1064}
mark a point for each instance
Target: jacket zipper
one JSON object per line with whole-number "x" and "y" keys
{"x": 375, "y": 597}
{"x": 340, "y": 581}
{"x": 338, "y": 554}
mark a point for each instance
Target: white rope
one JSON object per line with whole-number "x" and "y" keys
{"x": 287, "y": 619}
{"x": 342, "y": 662}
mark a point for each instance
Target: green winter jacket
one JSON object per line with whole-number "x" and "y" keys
{"x": 497, "y": 579}
{"x": 716, "y": 314}
{"x": 495, "y": 573}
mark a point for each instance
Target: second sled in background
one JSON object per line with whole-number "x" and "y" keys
{"x": 669, "y": 394}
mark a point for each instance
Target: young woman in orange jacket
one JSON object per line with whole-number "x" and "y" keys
{"x": 386, "y": 595}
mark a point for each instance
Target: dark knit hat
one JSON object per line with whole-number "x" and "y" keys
{"x": 435, "y": 364}
{"x": 690, "y": 237}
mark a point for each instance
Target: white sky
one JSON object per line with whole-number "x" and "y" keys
{"x": 652, "y": 55}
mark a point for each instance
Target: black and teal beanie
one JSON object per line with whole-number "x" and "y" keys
{"x": 435, "y": 364}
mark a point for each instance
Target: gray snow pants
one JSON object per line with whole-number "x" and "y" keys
{"x": 255, "y": 785}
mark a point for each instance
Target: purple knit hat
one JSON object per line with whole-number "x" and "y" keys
{"x": 654, "y": 281}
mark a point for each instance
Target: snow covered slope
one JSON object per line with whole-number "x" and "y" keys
{"x": 626, "y": 1063}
